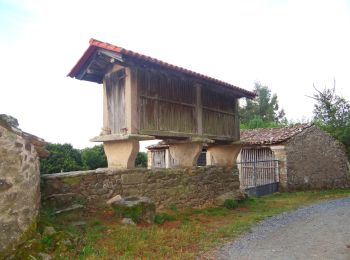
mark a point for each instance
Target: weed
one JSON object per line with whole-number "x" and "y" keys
{"x": 162, "y": 217}
{"x": 231, "y": 203}
{"x": 47, "y": 241}
{"x": 173, "y": 207}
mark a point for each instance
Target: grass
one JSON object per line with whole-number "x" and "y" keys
{"x": 182, "y": 234}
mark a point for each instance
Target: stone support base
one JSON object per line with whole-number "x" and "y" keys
{"x": 121, "y": 154}
{"x": 223, "y": 155}
{"x": 185, "y": 154}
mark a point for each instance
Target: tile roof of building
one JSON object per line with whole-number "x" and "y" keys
{"x": 271, "y": 135}
{"x": 95, "y": 44}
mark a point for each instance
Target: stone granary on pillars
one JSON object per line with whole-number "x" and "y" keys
{"x": 145, "y": 98}
{"x": 308, "y": 158}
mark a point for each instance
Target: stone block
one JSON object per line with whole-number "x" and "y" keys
{"x": 136, "y": 208}
{"x": 133, "y": 178}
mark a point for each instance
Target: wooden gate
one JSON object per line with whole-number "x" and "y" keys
{"x": 258, "y": 171}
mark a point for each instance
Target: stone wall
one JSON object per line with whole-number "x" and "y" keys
{"x": 316, "y": 160}
{"x": 19, "y": 183}
{"x": 182, "y": 187}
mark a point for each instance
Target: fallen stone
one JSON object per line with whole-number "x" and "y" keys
{"x": 71, "y": 208}
{"x": 44, "y": 256}
{"x": 114, "y": 199}
{"x": 128, "y": 221}
{"x": 136, "y": 208}
{"x": 78, "y": 223}
{"x": 238, "y": 195}
{"x": 49, "y": 231}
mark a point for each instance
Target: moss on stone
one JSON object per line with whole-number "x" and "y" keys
{"x": 27, "y": 235}
{"x": 72, "y": 180}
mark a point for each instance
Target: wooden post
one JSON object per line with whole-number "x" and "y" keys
{"x": 131, "y": 96}
{"x": 199, "y": 108}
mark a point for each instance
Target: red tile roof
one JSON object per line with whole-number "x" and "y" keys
{"x": 271, "y": 135}
{"x": 95, "y": 44}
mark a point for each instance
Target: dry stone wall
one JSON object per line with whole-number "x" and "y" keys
{"x": 182, "y": 187}
{"x": 316, "y": 160}
{"x": 19, "y": 183}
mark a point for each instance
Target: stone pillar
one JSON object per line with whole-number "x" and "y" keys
{"x": 185, "y": 154}
{"x": 122, "y": 153}
{"x": 149, "y": 159}
{"x": 280, "y": 154}
{"x": 223, "y": 154}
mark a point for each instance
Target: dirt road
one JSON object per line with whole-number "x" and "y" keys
{"x": 320, "y": 231}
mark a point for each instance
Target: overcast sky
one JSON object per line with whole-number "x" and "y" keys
{"x": 286, "y": 45}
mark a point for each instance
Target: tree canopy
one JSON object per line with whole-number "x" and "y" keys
{"x": 263, "y": 111}
{"x": 332, "y": 114}
{"x": 65, "y": 158}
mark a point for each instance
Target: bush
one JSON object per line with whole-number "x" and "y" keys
{"x": 231, "y": 203}
{"x": 141, "y": 160}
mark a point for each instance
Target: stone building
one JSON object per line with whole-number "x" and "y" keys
{"x": 145, "y": 98}
{"x": 308, "y": 157}
{"x": 298, "y": 157}
{"x": 19, "y": 183}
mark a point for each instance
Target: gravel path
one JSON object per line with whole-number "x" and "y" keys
{"x": 320, "y": 231}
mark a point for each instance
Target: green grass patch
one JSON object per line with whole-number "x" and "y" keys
{"x": 182, "y": 233}
{"x": 162, "y": 217}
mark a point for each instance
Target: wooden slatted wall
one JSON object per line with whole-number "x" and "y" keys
{"x": 167, "y": 103}
{"x": 219, "y": 117}
{"x": 115, "y": 90}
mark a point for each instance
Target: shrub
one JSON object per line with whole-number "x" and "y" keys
{"x": 231, "y": 203}
{"x": 141, "y": 160}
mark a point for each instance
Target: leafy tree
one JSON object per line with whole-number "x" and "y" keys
{"x": 141, "y": 160}
{"x": 263, "y": 111}
{"x": 62, "y": 157}
{"x": 94, "y": 157}
{"x": 332, "y": 113}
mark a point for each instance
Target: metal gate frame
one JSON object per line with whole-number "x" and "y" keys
{"x": 257, "y": 189}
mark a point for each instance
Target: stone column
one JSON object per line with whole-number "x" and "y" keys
{"x": 149, "y": 159}
{"x": 223, "y": 154}
{"x": 122, "y": 153}
{"x": 280, "y": 154}
{"x": 185, "y": 154}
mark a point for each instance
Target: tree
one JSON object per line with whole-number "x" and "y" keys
{"x": 94, "y": 157}
{"x": 141, "y": 160}
{"x": 332, "y": 114}
{"x": 65, "y": 158}
{"x": 263, "y": 111}
{"x": 62, "y": 157}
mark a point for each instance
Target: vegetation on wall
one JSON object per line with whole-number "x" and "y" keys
{"x": 65, "y": 158}
{"x": 263, "y": 111}
{"x": 332, "y": 114}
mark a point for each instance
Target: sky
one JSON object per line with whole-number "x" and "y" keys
{"x": 285, "y": 45}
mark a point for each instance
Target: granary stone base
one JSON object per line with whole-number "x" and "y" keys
{"x": 223, "y": 155}
{"x": 185, "y": 154}
{"x": 122, "y": 153}
{"x": 183, "y": 187}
